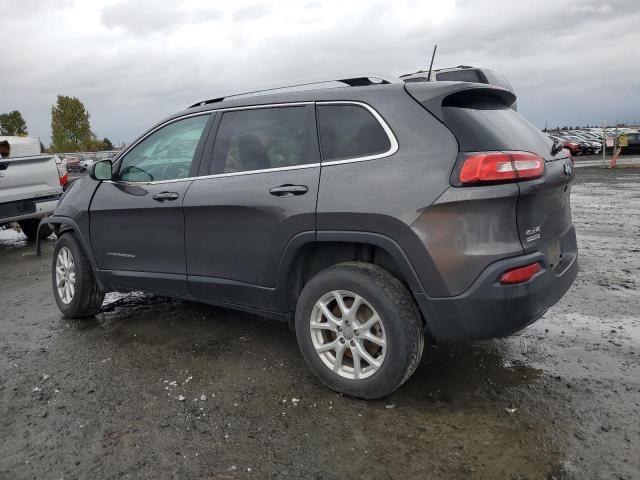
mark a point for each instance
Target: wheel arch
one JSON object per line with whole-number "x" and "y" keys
{"x": 308, "y": 253}
{"x": 62, "y": 225}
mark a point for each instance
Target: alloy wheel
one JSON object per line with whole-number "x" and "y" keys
{"x": 65, "y": 275}
{"x": 348, "y": 334}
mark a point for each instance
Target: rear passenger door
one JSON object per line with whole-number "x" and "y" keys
{"x": 261, "y": 191}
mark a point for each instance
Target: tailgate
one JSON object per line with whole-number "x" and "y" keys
{"x": 28, "y": 177}
{"x": 544, "y": 213}
{"x": 482, "y": 121}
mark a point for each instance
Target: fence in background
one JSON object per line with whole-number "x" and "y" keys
{"x": 95, "y": 156}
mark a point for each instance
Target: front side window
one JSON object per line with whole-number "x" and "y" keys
{"x": 166, "y": 154}
{"x": 350, "y": 131}
{"x": 261, "y": 138}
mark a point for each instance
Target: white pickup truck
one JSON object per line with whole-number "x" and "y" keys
{"x": 30, "y": 185}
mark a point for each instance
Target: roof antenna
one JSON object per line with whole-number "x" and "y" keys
{"x": 435, "y": 47}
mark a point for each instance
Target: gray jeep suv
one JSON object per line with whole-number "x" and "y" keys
{"x": 369, "y": 214}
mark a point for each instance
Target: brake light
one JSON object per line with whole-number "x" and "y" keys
{"x": 520, "y": 274}
{"x": 63, "y": 175}
{"x": 501, "y": 166}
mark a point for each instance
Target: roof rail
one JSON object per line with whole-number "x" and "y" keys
{"x": 355, "y": 81}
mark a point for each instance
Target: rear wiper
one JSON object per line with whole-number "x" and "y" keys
{"x": 557, "y": 147}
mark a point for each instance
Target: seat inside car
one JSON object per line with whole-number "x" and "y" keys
{"x": 252, "y": 154}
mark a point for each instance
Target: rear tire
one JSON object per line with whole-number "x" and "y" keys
{"x": 74, "y": 286}
{"x": 30, "y": 228}
{"x": 349, "y": 351}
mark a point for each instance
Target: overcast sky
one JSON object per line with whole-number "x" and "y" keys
{"x": 132, "y": 62}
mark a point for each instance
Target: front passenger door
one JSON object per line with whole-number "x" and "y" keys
{"x": 136, "y": 220}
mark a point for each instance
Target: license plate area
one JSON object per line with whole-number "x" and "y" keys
{"x": 554, "y": 253}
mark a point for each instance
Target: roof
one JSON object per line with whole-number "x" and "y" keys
{"x": 348, "y": 89}
{"x": 362, "y": 80}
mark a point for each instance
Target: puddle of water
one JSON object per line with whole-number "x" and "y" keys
{"x": 597, "y": 327}
{"x": 451, "y": 375}
{"x": 579, "y": 346}
{"x": 461, "y": 375}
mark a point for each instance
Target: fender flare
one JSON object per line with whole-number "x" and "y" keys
{"x": 382, "y": 241}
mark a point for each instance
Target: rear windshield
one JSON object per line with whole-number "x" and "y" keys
{"x": 485, "y": 123}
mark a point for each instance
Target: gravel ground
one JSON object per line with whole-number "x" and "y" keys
{"x": 159, "y": 388}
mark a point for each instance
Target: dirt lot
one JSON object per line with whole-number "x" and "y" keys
{"x": 167, "y": 389}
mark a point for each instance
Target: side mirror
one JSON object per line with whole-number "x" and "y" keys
{"x": 102, "y": 170}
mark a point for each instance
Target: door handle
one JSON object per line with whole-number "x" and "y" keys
{"x": 165, "y": 196}
{"x": 289, "y": 190}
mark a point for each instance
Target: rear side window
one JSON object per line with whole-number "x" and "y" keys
{"x": 261, "y": 138}
{"x": 350, "y": 131}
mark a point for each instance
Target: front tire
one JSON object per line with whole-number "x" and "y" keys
{"x": 359, "y": 330}
{"x": 74, "y": 286}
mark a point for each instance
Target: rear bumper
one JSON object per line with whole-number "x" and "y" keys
{"x": 489, "y": 309}
{"x": 32, "y": 208}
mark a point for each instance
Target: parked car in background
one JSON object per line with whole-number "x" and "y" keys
{"x": 86, "y": 162}
{"x": 633, "y": 143}
{"x": 592, "y": 140}
{"x": 30, "y": 185}
{"x": 574, "y": 147}
{"x": 324, "y": 208}
{"x": 11, "y": 146}
{"x": 595, "y": 146}
{"x": 73, "y": 164}
{"x": 591, "y": 135}
{"x": 588, "y": 147}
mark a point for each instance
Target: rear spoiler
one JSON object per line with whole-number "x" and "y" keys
{"x": 436, "y": 95}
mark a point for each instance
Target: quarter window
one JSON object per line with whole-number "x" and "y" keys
{"x": 166, "y": 154}
{"x": 261, "y": 138}
{"x": 350, "y": 131}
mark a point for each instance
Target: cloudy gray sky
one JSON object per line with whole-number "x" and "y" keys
{"x": 134, "y": 61}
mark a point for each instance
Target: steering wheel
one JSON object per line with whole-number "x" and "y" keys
{"x": 131, "y": 171}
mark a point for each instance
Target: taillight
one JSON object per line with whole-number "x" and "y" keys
{"x": 62, "y": 174}
{"x": 501, "y": 166}
{"x": 520, "y": 274}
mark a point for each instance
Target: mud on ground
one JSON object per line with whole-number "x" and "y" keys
{"x": 159, "y": 388}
